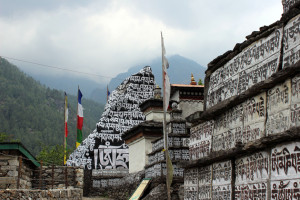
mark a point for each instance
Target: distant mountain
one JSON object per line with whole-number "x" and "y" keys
{"x": 34, "y": 114}
{"x": 69, "y": 84}
{"x": 179, "y": 71}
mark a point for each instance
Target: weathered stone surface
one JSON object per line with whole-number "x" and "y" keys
{"x": 70, "y": 194}
{"x": 13, "y": 162}
{"x": 158, "y": 193}
{"x": 253, "y": 65}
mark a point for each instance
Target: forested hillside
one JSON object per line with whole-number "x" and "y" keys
{"x": 34, "y": 114}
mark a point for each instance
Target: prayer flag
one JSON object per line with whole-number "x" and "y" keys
{"x": 79, "y": 119}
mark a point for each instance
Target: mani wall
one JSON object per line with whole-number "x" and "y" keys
{"x": 246, "y": 143}
{"x": 104, "y": 148}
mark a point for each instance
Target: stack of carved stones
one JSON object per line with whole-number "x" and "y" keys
{"x": 178, "y": 140}
{"x": 246, "y": 143}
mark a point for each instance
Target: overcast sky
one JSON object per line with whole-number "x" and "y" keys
{"x": 106, "y": 37}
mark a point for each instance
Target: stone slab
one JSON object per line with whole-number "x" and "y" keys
{"x": 253, "y": 168}
{"x": 254, "y": 64}
{"x": 285, "y": 161}
{"x": 291, "y": 42}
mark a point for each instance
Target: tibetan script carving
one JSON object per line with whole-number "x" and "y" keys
{"x": 200, "y": 142}
{"x": 254, "y": 64}
{"x": 291, "y": 42}
{"x": 252, "y": 168}
{"x": 285, "y": 161}
{"x": 98, "y": 150}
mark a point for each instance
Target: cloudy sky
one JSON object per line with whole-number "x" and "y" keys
{"x": 106, "y": 37}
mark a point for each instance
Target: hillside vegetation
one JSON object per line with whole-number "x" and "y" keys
{"x": 34, "y": 114}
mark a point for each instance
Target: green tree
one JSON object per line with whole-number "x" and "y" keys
{"x": 200, "y": 82}
{"x": 53, "y": 154}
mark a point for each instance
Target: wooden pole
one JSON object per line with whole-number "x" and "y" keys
{"x": 52, "y": 176}
{"x": 66, "y": 177}
{"x": 19, "y": 172}
{"x": 65, "y": 138}
{"x": 165, "y": 120}
{"x": 40, "y": 175}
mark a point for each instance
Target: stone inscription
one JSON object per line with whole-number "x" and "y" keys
{"x": 176, "y": 128}
{"x": 112, "y": 157}
{"x": 104, "y": 183}
{"x": 251, "y": 191}
{"x": 100, "y": 149}
{"x": 243, "y": 123}
{"x": 285, "y": 161}
{"x": 279, "y": 102}
{"x": 172, "y": 142}
{"x": 204, "y": 188}
{"x": 252, "y": 168}
{"x": 160, "y": 169}
{"x": 291, "y": 42}
{"x": 254, "y": 64}
{"x": 285, "y": 189}
{"x": 295, "y": 104}
{"x": 200, "y": 140}
{"x": 221, "y": 180}
{"x": 108, "y": 172}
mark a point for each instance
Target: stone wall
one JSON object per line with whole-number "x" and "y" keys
{"x": 245, "y": 145}
{"x": 9, "y": 170}
{"x": 55, "y": 177}
{"x": 70, "y": 194}
{"x": 116, "y": 186}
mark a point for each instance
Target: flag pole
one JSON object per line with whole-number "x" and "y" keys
{"x": 165, "y": 120}
{"x": 65, "y": 138}
{"x": 77, "y": 117}
{"x": 106, "y": 93}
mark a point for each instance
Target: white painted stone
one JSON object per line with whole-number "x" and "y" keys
{"x": 285, "y": 189}
{"x": 295, "y": 115}
{"x": 254, "y": 64}
{"x": 222, "y": 192}
{"x": 252, "y": 169}
{"x": 251, "y": 132}
{"x": 191, "y": 177}
{"x": 291, "y": 42}
{"x": 221, "y": 173}
{"x": 189, "y": 107}
{"x": 190, "y": 192}
{"x": 278, "y": 122}
{"x": 200, "y": 140}
{"x": 285, "y": 161}
{"x": 254, "y": 109}
{"x": 138, "y": 153}
{"x": 223, "y": 141}
{"x": 257, "y": 190}
{"x": 296, "y": 89}
{"x": 279, "y": 97}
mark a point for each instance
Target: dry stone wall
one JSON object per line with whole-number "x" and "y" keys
{"x": 70, "y": 194}
{"x": 55, "y": 177}
{"x": 246, "y": 143}
{"x": 9, "y": 170}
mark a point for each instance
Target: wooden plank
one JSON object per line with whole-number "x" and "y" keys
{"x": 140, "y": 189}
